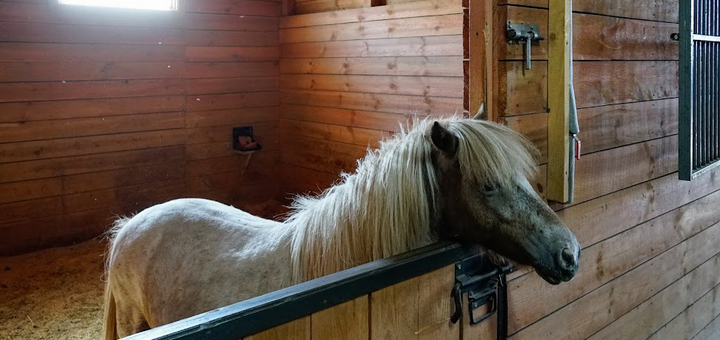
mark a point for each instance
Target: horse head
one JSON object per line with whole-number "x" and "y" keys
{"x": 482, "y": 172}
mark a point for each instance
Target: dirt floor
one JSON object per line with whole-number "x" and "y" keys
{"x": 53, "y": 294}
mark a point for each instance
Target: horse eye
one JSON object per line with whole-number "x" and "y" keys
{"x": 489, "y": 188}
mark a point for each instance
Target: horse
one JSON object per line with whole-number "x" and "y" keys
{"x": 446, "y": 179}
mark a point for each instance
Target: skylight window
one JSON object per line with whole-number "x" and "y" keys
{"x": 157, "y": 5}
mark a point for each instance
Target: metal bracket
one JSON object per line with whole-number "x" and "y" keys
{"x": 524, "y": 34}
{"x": 485, "y": 285}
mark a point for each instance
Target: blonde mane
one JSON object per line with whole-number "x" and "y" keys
{"x": 389, "y": 204}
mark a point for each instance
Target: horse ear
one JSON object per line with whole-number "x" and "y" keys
{"x": 481, "y": 114}
{"x": 444, "y": 139}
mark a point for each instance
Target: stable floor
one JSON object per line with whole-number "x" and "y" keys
{"x": 53, "y": 294}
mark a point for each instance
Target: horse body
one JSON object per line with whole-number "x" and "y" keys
{"x": 188, "y": 256}
{"x": 457, "y": 179}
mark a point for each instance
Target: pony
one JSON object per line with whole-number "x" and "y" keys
{"x": 446, "y": 179}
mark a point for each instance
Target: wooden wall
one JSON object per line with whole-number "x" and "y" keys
{"x": 348, "y": 78}
{"x": 416, "y": 309}
{"x": 650, "y": 242}
{"x": 107, "y": 111}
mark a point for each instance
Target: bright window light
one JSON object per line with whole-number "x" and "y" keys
{"x": 157, "y": 5}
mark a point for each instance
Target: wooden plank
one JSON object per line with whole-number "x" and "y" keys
{"x": 313, "y": 154}
{"x": 68, "y": 71}
{"x": 611, "y": 126}
{"x": 627, "y": 166}
{"x": 365, "y": 119}
{"x": 222, "y": 133}
{"x": 197, "y": 119}
{"x": 396, "y": 47}
{"x": 616, "y": 82}
{"x": 231, "y": 69}
{"x": 620, "y": 296}
{"x": 51, "y": 129}
{"x": 317, "y": 6}
{"x": 299, "y": 329}
{"x": 230, "y": 85}
{"x": 230, "y": 22}
{"x": 655, "y": 10}
{"x": 522, "y": 91}
{"x": 28, "y": 52}
{"x": 230, "y": 38}
{"x": 407, "y": 10}
{"x": 32, "y": 235}
{"x": 256, "y": 8}
{"x": 16, "y": 92}
{"x": 683, "y": 326}
{"x": 222, "y": 54}
{"x": 606, "y": 127}
{"x": 375, "y": 102}
{"x": 609, "y": 38}
{"x": 259, "y": 167}
{"x": 335, "y": 133}
{"x": 297, "y": 180}
{"x": 419, "y": 308}
{"x": 480, "y": 52}
{"x": 413, "y": 86}
{"x": 47, "y": 110}
{"x": 21, "y": 171}
{"x": 528, "y": 3}
{"x": 56, "y": 186}
{"x": 623, "y": 209}
{"x": 24, "y": 151}
{"x": 231, "y": 101}
{"x": 534, "y": 128}
{"x": 711, "y": 331}
{"x": 603, "y": 262}
{"x": 77, "y": 34}
{"x": 393, "y": 28}
{"x": 559, "y": 72}
{"x": 348, "y": 320}
{"x": 395, "y": 66}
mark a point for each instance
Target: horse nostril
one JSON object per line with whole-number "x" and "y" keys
{"x": 568, "y": 259}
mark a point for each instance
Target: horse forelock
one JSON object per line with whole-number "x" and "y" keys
{"x": 490, "y": 153}
{"x": 386, "y": 206}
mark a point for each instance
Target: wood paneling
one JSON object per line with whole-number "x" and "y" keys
{"x": 108, "y": 111}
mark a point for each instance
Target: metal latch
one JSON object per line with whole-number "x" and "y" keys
{"x": 524, "y": 34}
{"x": 485, "y": 285}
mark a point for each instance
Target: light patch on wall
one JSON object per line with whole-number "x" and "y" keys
{"x": 157, "y": 5}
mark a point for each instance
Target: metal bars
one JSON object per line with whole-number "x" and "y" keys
{"x": 699, "y": 131}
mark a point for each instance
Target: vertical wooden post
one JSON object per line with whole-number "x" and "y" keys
{"x": 559, "y": 59}
{"x": 288, "y": 7}
{"x": 476, "y": 53}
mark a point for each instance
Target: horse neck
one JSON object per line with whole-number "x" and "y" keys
{"x": 386, "y": 208}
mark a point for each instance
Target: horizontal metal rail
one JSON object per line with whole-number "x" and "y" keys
{"x": 273, "y": 309}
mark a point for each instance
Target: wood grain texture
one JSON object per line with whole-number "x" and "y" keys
{"x": 604, "y": 38}
{"x": 419, "y": 308}
{"x": 423, "y": 8}
{"x": 399, "y": 66}
{"x": 604, "y": 261}
{"x": 654, "y": 10}
{"x": 93, "y": 106}
{"x": 615, "y": 299}
{"x": 627, "y": 166}
{"x": 348, "y": 320}
{"x": 414, "y": 86}
{"x": 522, "y": 91}
{"x": 615, "y": 82}
{"x": 293, "y": 330}
{"x": 661, "y": 308}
